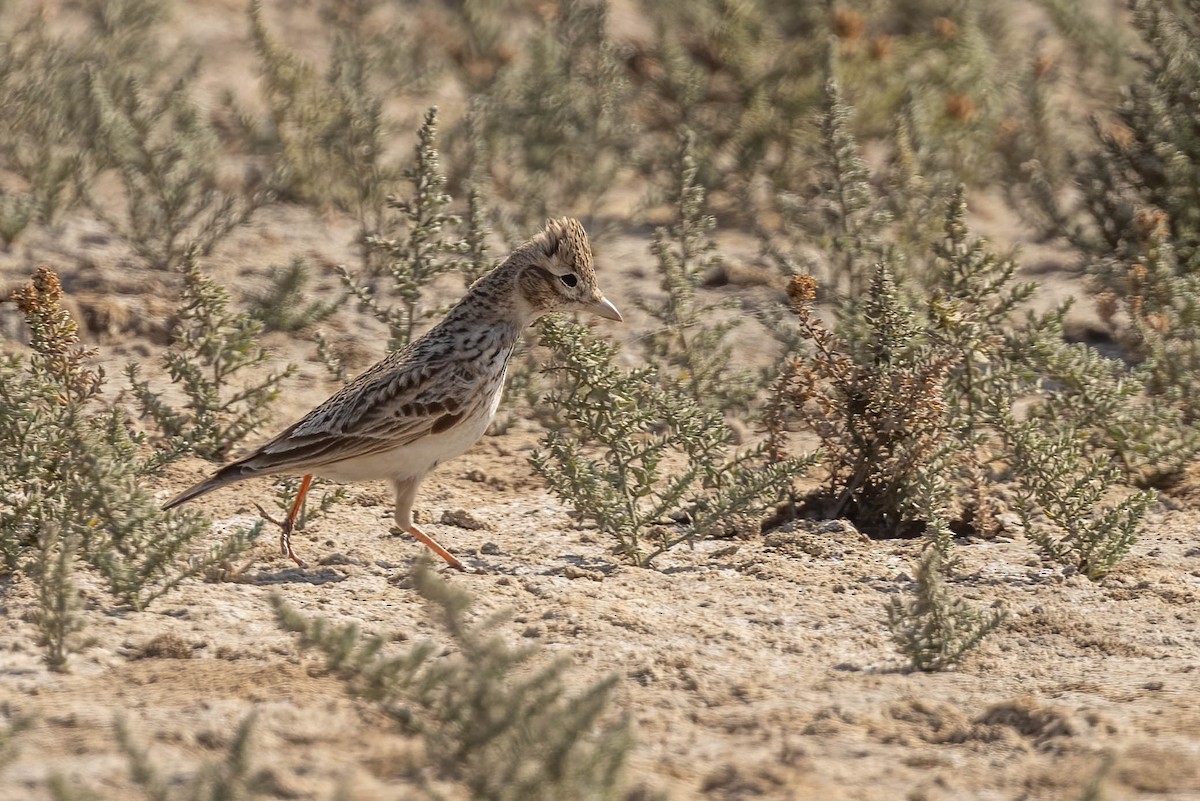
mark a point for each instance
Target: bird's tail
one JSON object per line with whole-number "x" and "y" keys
{"x": 228, "y": 474}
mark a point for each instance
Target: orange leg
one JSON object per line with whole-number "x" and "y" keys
{"x": 431, "y": 543}
{"x": 289, "y": 523}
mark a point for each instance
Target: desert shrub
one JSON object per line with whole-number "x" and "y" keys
{"x": 1140, "y": 232}
{"x": 737, "y": 74}
{"x": 913, "y": 392}
{"x": 1061, "y": 494}
{"x": 647, "y": 463}
{"x": 328, "y": 131}
{"x": 935, "y": 629}
{"x": 834, "y": 228}
{"x": 211, "y": 348}
{"x": 689, "y": 348}
{"x": 72, "y": 479}
{"x": 326, "y": 494}
{"x": 36, "y": 141}
{"x": 410, "y": 250}
{"x": 879, "y": 410}
{"x": 167, "y": 156}
{"x": 50, "y": 139}
{"x": 230, "y": 778}
{"x": 284, "y": 306}
{"x": 556, "y": 124}
{"x": 497, "y": 721}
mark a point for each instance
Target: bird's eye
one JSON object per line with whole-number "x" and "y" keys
{"x": 569, "y": 279}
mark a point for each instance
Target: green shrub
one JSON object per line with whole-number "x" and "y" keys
{"x": 556, "y": 124}
{"x": 934, "y": 629}
{"x": 211, "y": 348}
{"x": 689, "y": 348}
{"x": 410, "y": 251}
{"x": 71, "y": 478}
{"x": 914, "y": 391}
{"x": 167, "y": 155}
{"x": 496, "y": 720}
{"x": 285, "y": 306}
{"x": 1140, "y": 228}
{"x": 615, "y": 460}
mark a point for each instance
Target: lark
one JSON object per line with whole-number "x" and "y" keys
{"x": 433, "y": 399}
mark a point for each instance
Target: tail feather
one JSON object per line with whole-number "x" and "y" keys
{"x": 228, "y": 474}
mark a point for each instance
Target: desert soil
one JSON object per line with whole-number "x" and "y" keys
{"x": 756, "y": 668}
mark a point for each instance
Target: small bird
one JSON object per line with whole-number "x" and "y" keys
{"x": 434, "y": 398}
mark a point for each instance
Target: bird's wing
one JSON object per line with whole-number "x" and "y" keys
{"x": 394, "y": 403}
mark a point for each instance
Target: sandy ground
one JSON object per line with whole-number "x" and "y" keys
{"x": 752, "y": 669}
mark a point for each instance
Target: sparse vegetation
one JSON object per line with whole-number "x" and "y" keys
{"x": 689, "y": 346}
{"x": 612, "y": 462}
{"x": 72, "y": 482}
{"x": 934, "y": 629}
{"x": 496, "y": 722}
{"x": 743, "y": 149}
{"x": 410, "y": 251}
{"x": 284, "y": 306}
{"x": 212, "y": 346}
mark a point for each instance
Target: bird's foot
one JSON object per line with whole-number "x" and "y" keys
{"x": 285, "y": 534}
{"x": 432, "y": 544}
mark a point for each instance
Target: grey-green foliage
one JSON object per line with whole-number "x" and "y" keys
{"x": 1140, "y": 235}
{"x": 71, "y": 482}
{"x": 557, "y": 122}
{"x": 52, "y": 568}
{"x": 49, "y": 138}
{"x": 840, "y": 214}
{"x": 410, "y": 250}
{"x": 935, "y": 629}
{"x": 1062, "y": 499}
{"x": 915, "y": 391}
{"x": 497, "y": 721}
{"x": 637, "y": 458}
{"x": 285, "y": 305}
{"x": 739, "y": 74}
{"x": 212, "y": 347}
{"x": 35, "y": 142}
{"x": 286, "y": 488}
{"x": 167, "y": 156}
{"x": 232, "y": 778}
{"x": 689, "y": 347}
{"x": 328, "y": 130}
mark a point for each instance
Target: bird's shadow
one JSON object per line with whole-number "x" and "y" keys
{"x": 299, "y": 575}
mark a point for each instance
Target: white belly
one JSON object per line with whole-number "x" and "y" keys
{"x": 416, "y": 458}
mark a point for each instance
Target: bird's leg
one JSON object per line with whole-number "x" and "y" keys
{"x": 432, "y": 544}
{"x": 285, "y": 534}
{"x": 406, "y": 493}
{"x": 289, "y": 523}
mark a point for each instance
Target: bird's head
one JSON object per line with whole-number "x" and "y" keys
{"x": 555, "y": 272}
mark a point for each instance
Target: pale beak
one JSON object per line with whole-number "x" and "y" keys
{"x": 604, "y": 308}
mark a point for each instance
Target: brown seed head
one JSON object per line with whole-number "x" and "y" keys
{"x": 881, "y": 47}
{"x": 848, "y": 24}
{"x": 945, "y": 28}
{"x": 1151, "y": 224}
{"x": 802, "y": 289}
{"x": 960, "y": 108}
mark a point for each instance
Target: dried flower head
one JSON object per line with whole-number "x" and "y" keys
{"x": 802, "y": 290}
{"x": 945, "y": 28}
{"x": 848, "y": 24}
{"x": 881, "y": 47}
{"x": 960, "y": 107}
